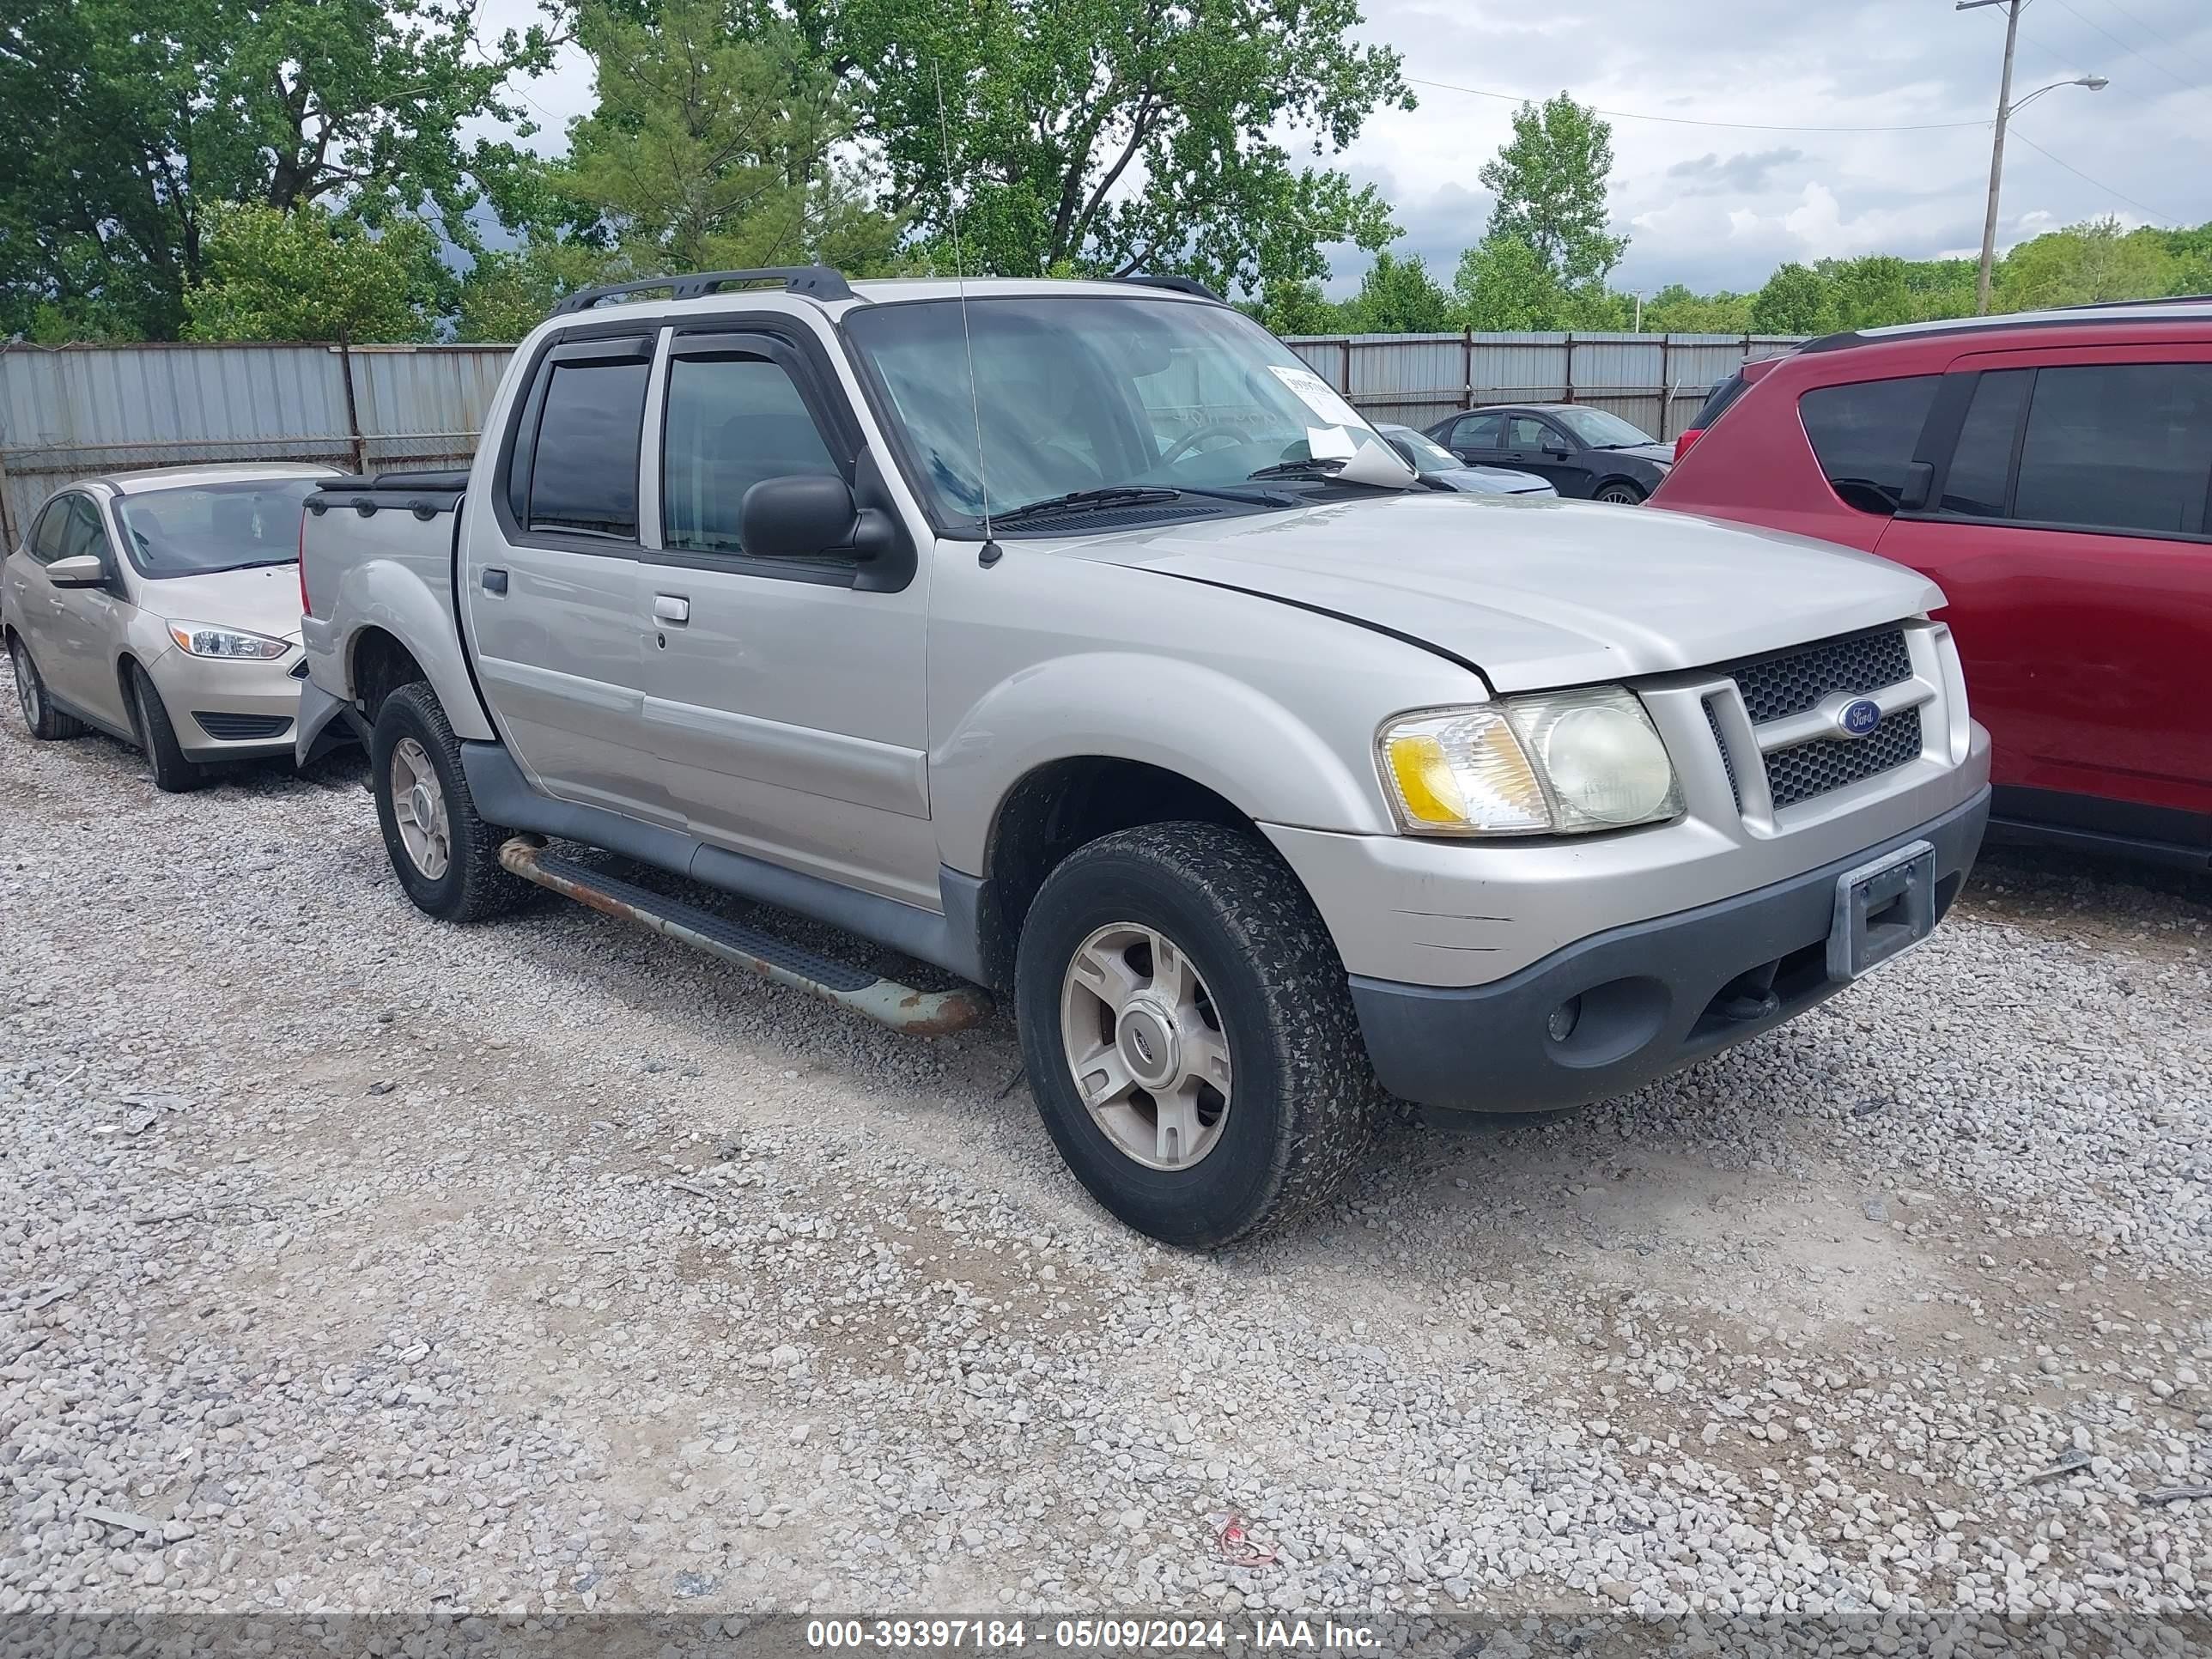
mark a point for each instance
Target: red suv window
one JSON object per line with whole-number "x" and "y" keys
{"x": 1864, "y": 435}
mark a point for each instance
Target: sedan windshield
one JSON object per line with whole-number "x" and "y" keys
{"x": 1601, "y": 430}
{"x": 226, "y": 526}
{"x": 1427, "y": 455}
{"x": 1075, "y": 394}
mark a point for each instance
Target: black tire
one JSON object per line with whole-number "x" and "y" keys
{"x": 1304, "y": 1099}
{"x": 472, "y": 886}
{"x": 1620, "y": 491}
{"x": 172, "y": 771}
{"x": 33, "y": 702}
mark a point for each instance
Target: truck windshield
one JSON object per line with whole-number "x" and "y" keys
{"x": 209, "y": 527}
{"x": 1080, "y": 392}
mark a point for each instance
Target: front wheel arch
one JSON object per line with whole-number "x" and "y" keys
{"x": 1628, "y": 491}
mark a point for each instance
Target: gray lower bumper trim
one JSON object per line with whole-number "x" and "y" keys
{"x": 1648, "y": 997}
{"x": 325, "y": 722}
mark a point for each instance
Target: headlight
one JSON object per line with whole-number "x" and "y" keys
{"x": 204, "y": 640}
{"x": 1557, "y": 763}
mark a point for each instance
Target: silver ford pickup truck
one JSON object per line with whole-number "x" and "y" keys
{"x": 1076, "y": 638}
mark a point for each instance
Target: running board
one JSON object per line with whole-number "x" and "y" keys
{"x": 902, "y": 1008}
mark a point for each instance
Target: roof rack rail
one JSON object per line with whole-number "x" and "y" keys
{"x": 816, "y": 282}
{"x": 1176, "y": 285}
{"x": 2118, "y": 305}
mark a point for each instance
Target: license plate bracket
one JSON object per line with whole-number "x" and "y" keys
{"x": 1883, "y": 908}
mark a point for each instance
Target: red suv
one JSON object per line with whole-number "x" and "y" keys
{"x": 2052, "y": 473}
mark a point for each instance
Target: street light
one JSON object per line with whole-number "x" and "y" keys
{"x": 2006, "y": 110}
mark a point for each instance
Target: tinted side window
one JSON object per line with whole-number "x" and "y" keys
{"x": 51, "y": 531}
{"x": 1481, "y": 432}
{"x": 2119, "y": 447}
{"x": 1864, "y": 435}
{"x": 86, "y": 534}
{"x": 731, "y": 422}
{"x": 583, "y": 476}
{"x": 1980, "y": 478}
{"x": 1525, "y": 432}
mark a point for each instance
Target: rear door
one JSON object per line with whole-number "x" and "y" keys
{"x": 1478, "y": 438}
{"x": 551, "y": 587}
{"x": 2069, "y": 529}
{"x": 26, "y": 597}
{"x": 786, "y": 697}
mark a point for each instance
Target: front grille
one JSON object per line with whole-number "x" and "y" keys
{"x": 1727, "y": 764}
{"x": 1807, "y": 769}
{"x": 1792, "y": 681}
{"x": 241, "y": 728}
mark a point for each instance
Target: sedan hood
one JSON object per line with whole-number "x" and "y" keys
{"x": 264, "y": 600}
{"x": 1494, "y": 481}
{"x": 1662, "y": 454}
{"x": 1540, "y": 593}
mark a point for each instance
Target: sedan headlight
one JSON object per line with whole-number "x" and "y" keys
{"x": 205, "y": 640}
{"x": 1559, "y": 762}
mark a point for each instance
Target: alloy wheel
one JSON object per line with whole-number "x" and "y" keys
{"x": 27, "y": 685}
{"x": 1145, "y": 1045}
{"x": 418, "y": 806}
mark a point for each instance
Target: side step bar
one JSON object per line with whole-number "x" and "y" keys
{"x": 916, "y": 1013}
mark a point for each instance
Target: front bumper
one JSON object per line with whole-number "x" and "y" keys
{"x": 227, "y": 710}
{"x": 1651, "y": 993}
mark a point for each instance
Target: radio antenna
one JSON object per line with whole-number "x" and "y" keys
{"x": 991, "y": 551}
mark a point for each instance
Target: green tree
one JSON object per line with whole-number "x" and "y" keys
{"x": 1864, "y": 293}
{"x": 1398, "y": 297}
{"x": 715, "y": 144}
{"x": 1550, "y": 181}
{"x": 1117, "y": 135}
{"x": 1503, "y": 284}
{"x": 1675, "y": 310}
{"x": 506, "y": 294}
{"x": 312, "y": 275}
{"x": 130, "y": 126}
{"x": 2084, "y": 264}
{"x": 1294, "y": 308}
{"x": 1795, "y": 300}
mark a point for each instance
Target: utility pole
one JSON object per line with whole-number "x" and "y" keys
{"x": 1997, "y": 146}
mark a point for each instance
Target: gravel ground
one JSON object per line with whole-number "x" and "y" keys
{"x": 350, "y": 1261}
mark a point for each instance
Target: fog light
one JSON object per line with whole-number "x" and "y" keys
{"x": 1564, "y": 1019}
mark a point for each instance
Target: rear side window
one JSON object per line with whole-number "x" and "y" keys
{"x": 2118, "y": 446}
{"x": 583, "y": 472}
{"x": 1979, "y": 481}
{"x": 1864, "y": 435}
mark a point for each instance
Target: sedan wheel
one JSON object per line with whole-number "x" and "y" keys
{"x": 26, "y": 688}
{"x": 1620, "y": 494}
{"x": 1145, "y": 1042}
{"x": 418, "y": 804}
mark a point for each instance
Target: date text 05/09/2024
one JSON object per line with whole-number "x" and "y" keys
{"x": 1107, "y": 1635}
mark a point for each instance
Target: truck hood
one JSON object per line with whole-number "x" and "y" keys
{"x": 1540, "y": 593}
{"x": 264, "y": 600}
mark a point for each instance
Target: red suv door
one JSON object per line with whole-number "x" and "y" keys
{"x": 2067, "y": 523}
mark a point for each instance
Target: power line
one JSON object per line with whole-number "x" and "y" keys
{"x": 1687, "y": 121}
{"x": 2093, "y": 23}
{"x": 2186, "y": 55}
{"x": 2163, "y": 218}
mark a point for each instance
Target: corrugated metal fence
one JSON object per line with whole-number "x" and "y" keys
{"x": 69, "y": 411}
{"x": 1654, "y": 381}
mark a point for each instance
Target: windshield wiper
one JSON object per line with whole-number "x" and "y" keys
{"x": 1306, "y": 469}
{"x": 1082, "y": 501}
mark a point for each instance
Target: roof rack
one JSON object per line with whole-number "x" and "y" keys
{"x": 816, "y": 282}
{"x": 1176, "y": 285}
{"x": 2118, "y": 305}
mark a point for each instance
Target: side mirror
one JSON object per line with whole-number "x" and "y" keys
{"x": 1920, "y": 483}
{"x": 810, "y": 517}
{"x": 83, "y": 570}
{"x": 1554, "y": 452}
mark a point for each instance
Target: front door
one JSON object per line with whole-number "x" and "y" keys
{"x": 2068, "y": 533}
{"x": 786, "y": 697}
{"x": 1534, "y": 445}
{"x": 551, "y": 585}
{"x": 77, "y": 653}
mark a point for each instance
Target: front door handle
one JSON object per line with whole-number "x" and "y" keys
{"x": 672, "y": 608}
{"x": 494, "y": 580}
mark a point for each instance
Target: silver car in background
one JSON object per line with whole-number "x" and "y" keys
{"x": 1439, "y": 469}
{"x": 163, "y": 608}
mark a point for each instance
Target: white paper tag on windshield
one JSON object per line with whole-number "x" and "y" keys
{"x": 1329, "y": 443}
{"x": 1317, "y": 395}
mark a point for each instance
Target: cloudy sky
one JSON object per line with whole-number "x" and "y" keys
{"x": 1720, "y": 206}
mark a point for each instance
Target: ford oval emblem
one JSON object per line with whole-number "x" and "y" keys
{"x": 1859, "y": 717}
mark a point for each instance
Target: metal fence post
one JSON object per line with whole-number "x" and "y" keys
{"x": 353, "y": 414}
{"x": 7, "y": 523}
{"x": 1570, "y": 366}
{"x": 1466, "y": 362}
{"x": 1666, "y": 391}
